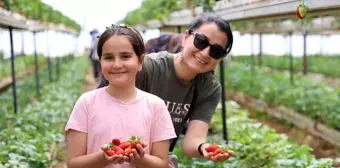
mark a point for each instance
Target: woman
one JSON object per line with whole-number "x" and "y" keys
{"x": 185, "y": 81}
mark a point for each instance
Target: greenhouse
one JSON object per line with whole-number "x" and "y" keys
{"x": 74, "y": 94}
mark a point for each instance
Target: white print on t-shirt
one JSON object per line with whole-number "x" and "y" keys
{"x": 177, "y": 110}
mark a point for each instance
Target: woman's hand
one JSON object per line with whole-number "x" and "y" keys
{"x": 115, "y": 159}
{"x": 221, "y": 157}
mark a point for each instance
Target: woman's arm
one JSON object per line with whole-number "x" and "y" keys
{"x": 158, "y": 157}
{"x": 196, "y": 134}
{"x": 76, "y": 148}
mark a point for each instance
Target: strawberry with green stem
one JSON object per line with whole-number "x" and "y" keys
{"x": 109, "y": 150}
{"x": 219, "y": 150}
{"x": 133, "y": 141}
{"x": 211, "y": 148}
{"x": 136, "y": 140}
{"x": 301, "y": 10}
{"x": 216, "y": 149}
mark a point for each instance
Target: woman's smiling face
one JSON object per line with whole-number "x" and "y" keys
{"x": 198, "y": 60}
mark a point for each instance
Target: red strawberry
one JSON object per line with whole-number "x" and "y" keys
{"x": 1, "y": 4}
{"x": 118, "y": 150}
{"x": 133, "y": 144}
{"x": 301, "y": 11}
{"x": 110, "y": 152}
{"x": 128, "y": 151}
{"x": 133, "y": 141}
{"x": 216, "y": 152}
{"x": 211, "y": 148}
{"x": 124, "y": 145}
{"x": 116, "y": 141}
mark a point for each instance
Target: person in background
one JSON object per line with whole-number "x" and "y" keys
{"x": 93, "y": 53}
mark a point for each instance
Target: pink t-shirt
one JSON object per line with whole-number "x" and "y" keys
{"x": 103, "y": 118}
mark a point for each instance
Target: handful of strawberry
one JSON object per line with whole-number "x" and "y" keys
{"x": 216, "y": 149}
{"x": 118, "y": 147}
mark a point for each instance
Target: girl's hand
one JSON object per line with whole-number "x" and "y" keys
{"x": 136, "y": 155}
{"x": 115, "y": 159}
{"x": 217, "y": 158}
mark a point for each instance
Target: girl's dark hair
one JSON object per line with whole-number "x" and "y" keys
{"x": 132, "y": 35}
{"x": 221, "y": 24}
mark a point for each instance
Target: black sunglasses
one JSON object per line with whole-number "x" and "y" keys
{"x": 201, "y": 42}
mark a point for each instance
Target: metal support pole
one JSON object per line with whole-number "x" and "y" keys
{"x": 305, "y": 61}
{"x": 252, "y": 52}
{"x": 291, "y": 68}
{"x": 178, "y": 29}
{"x": 36, "y": 65}
{"x": 13, "y": 71}
{"x": 223, "y": 99}
{"x": 58, "y": 67}
{"x": 49, "y": 66}
{"x": 260, "y": 50}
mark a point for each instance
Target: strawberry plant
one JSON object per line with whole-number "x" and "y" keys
{"x": 326, "y": 65}
{"x": 37, "y": 10}
{"x": 254, "y": 144}
{"x": 22, "y": 63}
{"x": 25, "y": 89}
{"x": 26, "y": 138}
{"x": 305, "y": 97}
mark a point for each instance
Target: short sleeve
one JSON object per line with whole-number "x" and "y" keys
{"x": 78, "y": 118}
{"x": 162, "y": 126}
{"x": 143, "y": 76}
{"x": 207, "y": 100}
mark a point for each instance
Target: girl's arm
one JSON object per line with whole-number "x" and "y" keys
{"x": 158, "y": 157}
{"x": 76, "y": 148}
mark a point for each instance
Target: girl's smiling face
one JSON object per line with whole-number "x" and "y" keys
{"x": 119, "y": 61}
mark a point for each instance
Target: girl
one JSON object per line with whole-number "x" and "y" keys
{"x": 186, "y": 83}
{"x": 119, "y": 110}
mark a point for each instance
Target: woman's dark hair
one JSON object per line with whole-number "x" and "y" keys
{"x": 221, "y": 24}
{"x": 132, "y": 34}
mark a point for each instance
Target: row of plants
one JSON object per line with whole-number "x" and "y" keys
{"x": 327, "y": 65}
{"x": 37, "y": 10}
{"x": 162, "y": 9}
{"x": 254, "y": 144}
{"x": 21, "y": 63}
{"x": 312, "y": 99}
{"x": 27, "y": 137}
{"x": 26, "y": 88}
